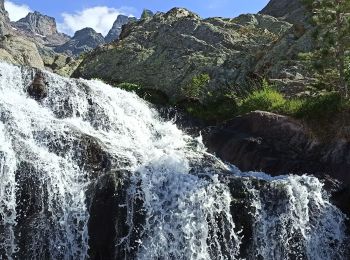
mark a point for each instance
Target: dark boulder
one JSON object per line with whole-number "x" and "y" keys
{"x": 112, "y": 235}
{"x": 39, "y": 88}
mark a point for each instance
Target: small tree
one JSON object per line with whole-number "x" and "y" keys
{"x": 332, "y": 18}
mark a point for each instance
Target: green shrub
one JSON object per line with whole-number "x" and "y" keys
{"x": 195, "y": 88}
{"x": 321, "y": 107}
{"x": 267, "y": 99}
{"x": 291, "y": 107}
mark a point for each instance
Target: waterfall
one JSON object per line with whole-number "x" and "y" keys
{"x": 54, "y": 151}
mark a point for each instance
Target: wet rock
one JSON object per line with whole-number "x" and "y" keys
{"x": 39, "y": 88}
{"x": 31, "y": 211}
{"x": 89, "y": 152}
{"x": 109, "y": 206}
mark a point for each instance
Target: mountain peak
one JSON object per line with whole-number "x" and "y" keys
{"x": 146, "y": 14}
{"x": 83, "y": 40}
{"x": 84, "y": 31}
{"x": 181, "y": 13}
{"x": 116, "y": 29}
{"x": 38, "y": 23}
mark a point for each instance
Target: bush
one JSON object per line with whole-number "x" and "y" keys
{"x": 321, "y": 107}
{"x": 291, "y": 107}
{"x": 195, "y": 88}
{"x": 267, "y": 99}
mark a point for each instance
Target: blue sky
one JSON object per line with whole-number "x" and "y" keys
{"x": 100, "y": 14}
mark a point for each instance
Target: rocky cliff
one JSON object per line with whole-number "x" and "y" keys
{"x": 83, "y": 40}
{"x": 116, "y": 29}
{"x": 168, "y": 50}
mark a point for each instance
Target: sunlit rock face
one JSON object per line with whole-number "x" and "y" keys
{"x": 167, "y": 50}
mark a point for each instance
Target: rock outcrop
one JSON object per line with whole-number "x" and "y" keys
{"x": 83, "y": 40}
{"x": 168, "y": 50}
{"x": 19, "y": 50}
{"x": 116, "y": 29}
{"x": 41, "y": 28}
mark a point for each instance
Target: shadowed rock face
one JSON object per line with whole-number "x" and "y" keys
{"x": 291, "y": 10}
{"x": 168, "y": 50}
{"x": 83, "y": 40}
{"x": 116, "y": 29}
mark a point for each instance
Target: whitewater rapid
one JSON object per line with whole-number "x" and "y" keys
{"x": 187, "y": 207}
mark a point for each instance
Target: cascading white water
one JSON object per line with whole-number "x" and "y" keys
{"x": 7, "y": 194}
{"x": 187, "y": 208}
{"x": 301, "y": 223}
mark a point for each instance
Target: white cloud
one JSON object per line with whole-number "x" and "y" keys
{"x": 16, "y": 11}
{"x": 100, "y": 18}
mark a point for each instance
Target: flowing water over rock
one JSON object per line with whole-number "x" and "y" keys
{"x": 88, "y": 162}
